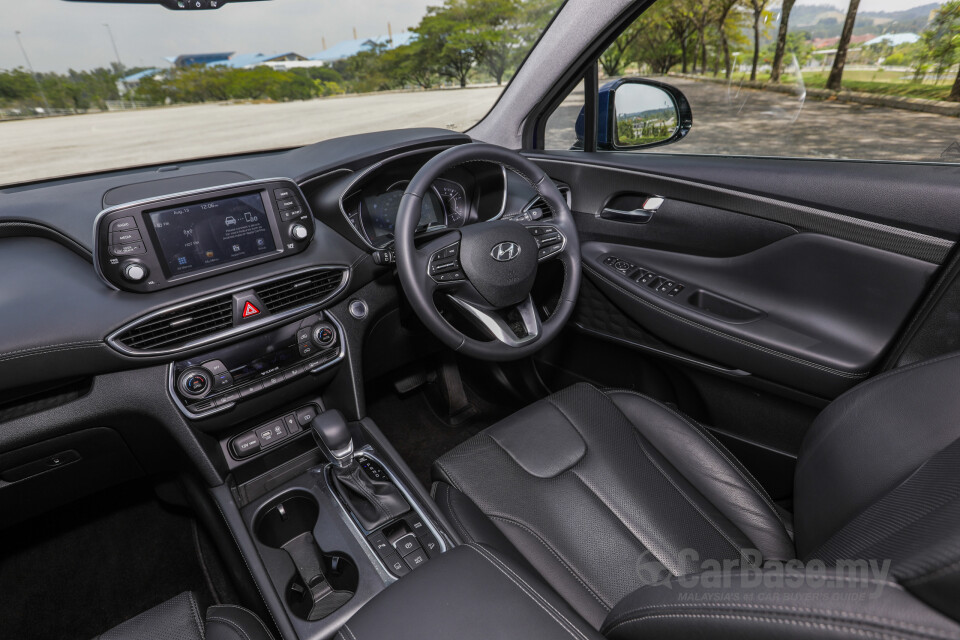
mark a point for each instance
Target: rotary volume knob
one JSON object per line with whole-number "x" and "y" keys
{"x": 299, "y": 232}
{"x": 134, "y": 271}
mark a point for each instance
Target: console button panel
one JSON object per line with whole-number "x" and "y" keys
{"x": 272, "y": 433}
{"x": 405, "y": 544}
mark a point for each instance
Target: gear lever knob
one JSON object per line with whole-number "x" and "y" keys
{"x": 331, "y": 433}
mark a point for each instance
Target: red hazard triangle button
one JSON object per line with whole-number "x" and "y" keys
{"x": 249, "y": 310}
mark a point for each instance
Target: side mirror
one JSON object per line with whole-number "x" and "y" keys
{"x": 635, "y": 113}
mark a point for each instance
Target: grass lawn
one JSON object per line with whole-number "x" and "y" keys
{"x": 884, "y": 82}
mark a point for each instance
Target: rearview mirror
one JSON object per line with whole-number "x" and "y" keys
{"x": 635, "y": 113}
{"x": 176, "y": 5}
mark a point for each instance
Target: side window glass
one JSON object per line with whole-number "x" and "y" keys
{"x": 780, "y": 78}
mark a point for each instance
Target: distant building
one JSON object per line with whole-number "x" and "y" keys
{"x": 893, "y": 39}
{"x": 250, "y": 60}
{"x": 347, "y": 48}
{"x": 191, "y": 59}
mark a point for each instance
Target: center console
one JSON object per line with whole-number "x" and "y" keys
{"x": 326, "y": 515}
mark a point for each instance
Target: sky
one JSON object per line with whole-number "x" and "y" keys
{"x": 59, "y": 35}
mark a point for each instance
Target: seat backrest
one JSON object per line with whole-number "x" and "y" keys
{"x": 878, "y": 478}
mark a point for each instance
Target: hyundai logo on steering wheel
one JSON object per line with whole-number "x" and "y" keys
{"x": 505, "y": 251}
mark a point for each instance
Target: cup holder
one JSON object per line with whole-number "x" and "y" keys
{"x": 323, "y": 582}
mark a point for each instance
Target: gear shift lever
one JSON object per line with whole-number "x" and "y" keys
{"x": 331, "y": 433}
{"x": 372, "y": 502}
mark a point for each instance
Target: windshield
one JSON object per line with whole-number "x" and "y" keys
{"x": 88, "y": 87}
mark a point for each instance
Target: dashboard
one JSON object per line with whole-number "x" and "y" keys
{"x": 141, "y": 268}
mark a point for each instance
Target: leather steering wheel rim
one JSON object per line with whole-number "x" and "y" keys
{"x": 412, "y": 263}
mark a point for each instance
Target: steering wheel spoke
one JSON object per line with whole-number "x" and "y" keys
{"x": 551, "y": 241}
{"x": 514, "y": 326}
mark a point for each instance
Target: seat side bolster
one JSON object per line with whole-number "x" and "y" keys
{"x": 230, "y": 622}
{"x": 774, "y": 603}
{"x": 178, "y": 617}
{"x": 716, "y": 474}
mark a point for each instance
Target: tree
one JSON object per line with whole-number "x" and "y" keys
{"x": 757, "y": 6}
{"x": 618, "y": 54}
{"x": 681, "y": 26}
{"x": 721, "y": 21}
{"x": 941, "y": 41}
{"x": 655, "y": 44}
{"x": 497, "y": 22}
{"x": 835, "y": 79}
{"x": 781, "y": 40}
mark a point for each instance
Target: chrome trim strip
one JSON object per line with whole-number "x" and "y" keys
{"x": 266, "y": 321}
{"x": 183, "y": 194}
{"x": 497, "y": 327}
{"x": 171, "y": 374}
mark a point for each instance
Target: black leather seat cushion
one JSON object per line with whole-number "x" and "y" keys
{"x": 179, "y": 619}
{"x": 596, "y": 489}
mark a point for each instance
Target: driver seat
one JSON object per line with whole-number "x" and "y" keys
{"x": 609, "y": 493}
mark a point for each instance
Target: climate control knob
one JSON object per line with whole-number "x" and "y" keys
{"x": 324, "y": 335}
{"x": 134, "y": 271}
{"x": 299, "y": 232}
{"x": 195, "y": 382}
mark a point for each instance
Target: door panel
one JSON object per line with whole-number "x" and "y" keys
{"x": 805, "y": 296}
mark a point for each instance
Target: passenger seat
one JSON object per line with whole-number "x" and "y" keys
{"x": 179, "y": 619}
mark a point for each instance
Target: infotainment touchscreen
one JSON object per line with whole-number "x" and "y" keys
{"x": 212, "y": 233}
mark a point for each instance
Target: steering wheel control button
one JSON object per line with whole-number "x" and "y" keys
{"x": 546, "y": 252}
{"x": 134, "y": 271}
{"x": 444, "y": 265}
{"x": 245, "y": 445}
{"x": 123, "y": 224}
{"x": 195, "y": 383}
{"x": 299, "y": 232}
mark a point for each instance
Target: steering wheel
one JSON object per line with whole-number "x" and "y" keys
{"x": 487, "y": 269}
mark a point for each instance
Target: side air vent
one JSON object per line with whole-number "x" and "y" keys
{"x": 294, "y": 291}
{"x": 180, "y": 326}
{"x": 538, "y": 205}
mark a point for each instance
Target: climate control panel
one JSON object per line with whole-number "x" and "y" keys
{"x": 218, "y": 380}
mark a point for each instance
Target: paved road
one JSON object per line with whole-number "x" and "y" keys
{"x": 46, "y": 147}
{"x": 753, "y": 122}
{"x": 726, "y": 121}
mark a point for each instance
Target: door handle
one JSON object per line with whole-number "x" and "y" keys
{"x": 642, "y": 215}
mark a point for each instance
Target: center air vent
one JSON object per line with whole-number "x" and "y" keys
{"x": 293, "y": 291}
{"x": 211, "y": 319}
{"x": 180, "y": 326}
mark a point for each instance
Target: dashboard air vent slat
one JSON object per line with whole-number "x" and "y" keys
{"x": 180, "y": 325}
{"x": 299, "y": 289}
